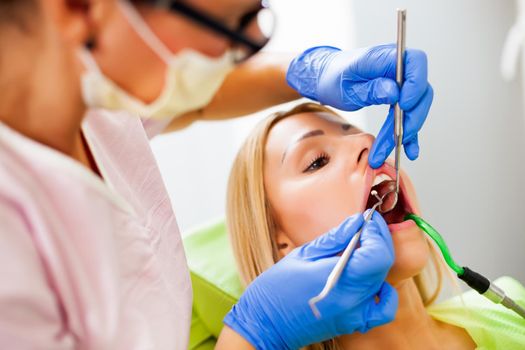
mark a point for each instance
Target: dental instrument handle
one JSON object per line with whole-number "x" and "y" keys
{"x": 398, "y": 112}
{"x": 339, "y": 267}
{"x": 334, "y": 275}
{"x": 489, "y": 290}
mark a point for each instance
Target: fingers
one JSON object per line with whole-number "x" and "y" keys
{"x": 416, "y": 78}
{"x": 378, "y": 219}
{"x": 373, "y": 259}
{"x": 384, "y": 143}
{"x": 385, "y": 310}
{"x": 371, "y": 92}
{"x": 376, "y": 61}
{"x": 303, "y": 72}
{"x": 415, "y": 118}
{"x": 334, "y": 241}
{"x": 412, "y": 148}
{"x": 413, "y": 122}
{"x": 376, "y": 72}
{"x": 372, "y": 313}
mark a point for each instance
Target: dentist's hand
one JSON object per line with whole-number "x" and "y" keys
{"x": 273, "y": 312}
{"x": 350, "y": 80}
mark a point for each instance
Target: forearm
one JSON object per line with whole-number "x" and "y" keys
{"x": 229, "y": 339}
{"x": 257, "y": 84}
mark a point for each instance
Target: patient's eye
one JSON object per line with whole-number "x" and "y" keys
{"x": 319, "y": 161}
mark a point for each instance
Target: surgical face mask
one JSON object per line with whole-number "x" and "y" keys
{"x": 191, "y": 81}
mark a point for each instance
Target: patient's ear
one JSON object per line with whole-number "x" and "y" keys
{"x": 284, "y": 244}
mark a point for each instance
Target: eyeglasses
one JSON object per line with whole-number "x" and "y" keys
{"x": 243, "y": 44}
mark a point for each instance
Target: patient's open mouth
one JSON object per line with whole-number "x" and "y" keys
{"x": 384, "y": 184}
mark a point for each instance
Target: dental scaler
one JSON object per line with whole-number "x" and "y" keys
{"x": 398, "y": 112}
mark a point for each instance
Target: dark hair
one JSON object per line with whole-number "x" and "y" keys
{"x": 17, "y": 12}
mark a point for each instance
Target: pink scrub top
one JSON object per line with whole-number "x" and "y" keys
{"x": 87, "y": 263}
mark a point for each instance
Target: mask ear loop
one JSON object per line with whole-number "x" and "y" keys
{"x": 144, "y": 31}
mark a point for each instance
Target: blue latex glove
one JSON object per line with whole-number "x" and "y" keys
{"x": 350, "y": 80}
{"x": 273, "y": 312}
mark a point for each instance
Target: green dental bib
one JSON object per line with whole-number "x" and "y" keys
{"x": 215, "y": 281}
{"x": 491, "y": 326}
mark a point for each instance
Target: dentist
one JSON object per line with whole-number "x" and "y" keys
{"x": 92, "y": 256}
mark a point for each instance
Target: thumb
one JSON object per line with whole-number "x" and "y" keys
{"x": 334, "y": 241}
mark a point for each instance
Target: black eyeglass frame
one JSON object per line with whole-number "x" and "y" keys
{"x": 217, "y": 26}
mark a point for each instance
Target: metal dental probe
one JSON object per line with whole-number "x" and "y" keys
{"x": 338, "y": 268}
{"x": 398, "y": 112}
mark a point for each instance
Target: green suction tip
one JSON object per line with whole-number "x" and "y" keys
{"x": 429, "y": 230}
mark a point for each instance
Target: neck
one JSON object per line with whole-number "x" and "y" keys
{"x": 413, "y": 328}
{"x": 50, "y": 129}
{"x": 39, "y": 98}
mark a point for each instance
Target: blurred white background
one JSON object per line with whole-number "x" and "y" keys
{"x": 469, "y": 174}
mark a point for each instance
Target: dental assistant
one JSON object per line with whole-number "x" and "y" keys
{"x": 91, "y": 253}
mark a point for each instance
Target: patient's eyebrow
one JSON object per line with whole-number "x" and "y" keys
{"x": 312, "y": 133}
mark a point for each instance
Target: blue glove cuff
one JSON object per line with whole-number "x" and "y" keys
{"x": 252, "y": 330}
{"x": 304, "y": 71}
{"x": 239, "y": 327}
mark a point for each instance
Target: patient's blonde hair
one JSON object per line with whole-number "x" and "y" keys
{"x": 251, "y": 224}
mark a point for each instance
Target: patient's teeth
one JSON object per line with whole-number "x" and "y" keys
{"x": 380, "y": 178}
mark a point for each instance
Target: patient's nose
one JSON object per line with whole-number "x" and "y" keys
{"x": 359, "y": 147}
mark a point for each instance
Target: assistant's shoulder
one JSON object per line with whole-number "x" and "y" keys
{"x": 491, "y": 326}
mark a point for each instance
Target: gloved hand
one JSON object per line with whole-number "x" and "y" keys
{"x": 350, "y": 80}
{"x": 273, "y": 312}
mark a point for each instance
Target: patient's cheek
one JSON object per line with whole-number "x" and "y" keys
{"x": 299, "y": 239}
{"x": 305, "y": 226}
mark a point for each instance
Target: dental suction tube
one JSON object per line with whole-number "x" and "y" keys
{"x": 476, "y": 281}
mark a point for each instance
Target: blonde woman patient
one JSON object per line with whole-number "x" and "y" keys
{"x": 304, "y": 171}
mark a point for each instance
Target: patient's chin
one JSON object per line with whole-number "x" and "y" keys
{"x": 412, "y": 253}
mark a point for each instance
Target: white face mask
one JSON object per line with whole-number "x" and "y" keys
{"x": 190, "y": 83}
